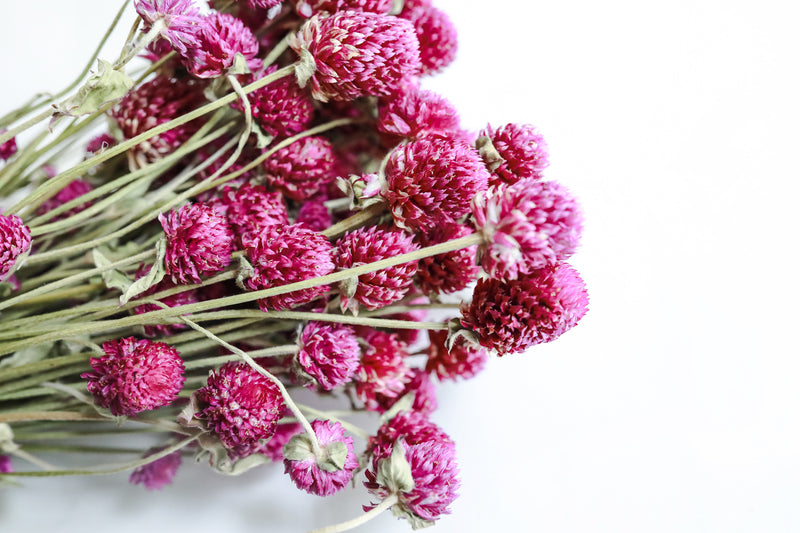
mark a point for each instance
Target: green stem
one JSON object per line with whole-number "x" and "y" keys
{"x": 363, "y": 519}
{"x": 274, "y": 351}
{"x": 355, "y": 430}
{"x": 355, "y": 221}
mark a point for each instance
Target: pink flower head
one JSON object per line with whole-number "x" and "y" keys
{"x": 302, "y": 168}
{"x": 251, "y": 209}
{"x": 329, "y": 354}
{"x": 135, "y": 375}
{"x": 329, "y": 473}
{"x": 352, "y": 54}
{"x": 412, "y": 426}
{"x": 315, "y": 215}
{"x": 5, "y": 464}
{"x": 424, "y": 393}
{"x": 513, "y": 152}
{"x": 438, "y": 38}
{"x": 240, "y": 406}
{"x": 161, "y": 472}
{"x": 8, "y": 148}
{"x": 412, "y": 113}
{"x": 221, "y": 37}
{"x": 308, "y": 8}
{"x": 463, "y": 360}
{"x": 448, "y": 272}
{"x": 273, "y": 448}
{"x": 199, "y": 242}
{"x": 175, "y": 300}
{"x": 526, "y": 226}
{"x": 72, "y": 190}
{"x": 382, "y": 374}
{"x": 100, "y": 143}
{"x": 410, "y": 336}
{"x": 288, "y": 254}
{"x": 511, "y": 316}
{"x": 181, "y": 19}
{"x": 15, "y": 241}
{"x": 368, "y": 245}
{"x": 431, "y": 181}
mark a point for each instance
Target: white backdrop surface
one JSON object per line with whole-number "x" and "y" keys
{"x": 673, "y": 407}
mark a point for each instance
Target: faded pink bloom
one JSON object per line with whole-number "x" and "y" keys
{"x": 413, "y": 427}
{"x": 412, "y": 113}
{"x": 382, "y": 374}
{"x": 438, "y": 38}
{"x": 135, "y": 375}
{"x": 526, "y": 226}
{"x": 308, "y": 8}
{"x": 352, "y": 54}
{"x": 100, "y": 143}
{"x": 251, "y": 209}
{"x": 8, "y": 148}
{"x": 448, "y": 272}
{"x": 324, "y": 475}
{"x": 15, "y": 240}
{"x": 520, "y": 152}
{"x": 431, "y": 181}
{"x": 543, "y": 306}
{"x": 273, "y": 448}
{"x": 424, "y": 393}
{"x": 199, "y": 242}
{"x": 329, "y": 354}
{"x": 315, "y": 215}
{"x": 161, "y": 472}
{"x": 463, "y": 360}
{"x": 176, "y": 300}
{"x": 181, "y": 20}
{"x": 72, "y": 190}
{"x": 301, "y": 169}
{"x": 286, "y": 255}
{"x": 380, "y": 288}
{"x": 221, "y": 37}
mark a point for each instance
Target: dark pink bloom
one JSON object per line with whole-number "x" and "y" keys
{"x": 73, "y": 190}
{"x": 315, "y": 215}
{"x": 368, "y": 245}
{"x": 181, "y": 20}
{"x": 301, "y": 169}
{"x": 176, "y": 300}
{"x": 329, "y": 354}
{"x": 135, "y": 375}
{"x": 5, "y": 464}
{"x": 512, "y": 316}
{"x": 412, "y": 113}
{"x": 438, "y": 38}
{"x": 161, "y": 472}
{"x": 411, "y": 5}
{"x": 526, "y": 226}
{"x": 251, "y": 209}
{"x": 513, "y": 152}
{"x": 240, "y": 406}
{"x": 8, "y": 148}
{"x": 410, "y": 336}
{"x": 100, "y": 143}
{"x": 463, "y": 360}
{"x": 199, "y": 242}
{"x": 413, "y": 427}
{"x": 382, "y": 374}
{"x": 431, "y": 181}
{"x": 352, "y": 54}
{"x": 424, "y": 393}
{"x": 288, "y": 254}
{"x": 273, "y": 448}
{"x": 448, "y": 272}
{"x": 15, "y": 240}
{"x": 220, "y": 38}
{"x": 324, "y": 475}
{"x": 308, "y": 8}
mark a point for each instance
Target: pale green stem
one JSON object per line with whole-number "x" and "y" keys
{"x": 355, "y": 430}
{"x": 154, "y": 67}
{"x": 363, "y": 519}
{"x": 150, "y": 36}
{"x": 320, "y": 317}
{"x": 44, "y": 465}
{"x": 355, "y": 221}
{"x": 277, "y": 50}
{"x": 8, "y": 374}
{"x": 273, "y": 351}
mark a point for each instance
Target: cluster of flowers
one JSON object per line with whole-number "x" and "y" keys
{"x": 330, "y": 189}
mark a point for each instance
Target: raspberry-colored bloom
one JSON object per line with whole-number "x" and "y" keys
{"x": 286, "y": 255}
{"x": 463, "y": 360}
{"x": 382, "y": 374}
{"x": 221, "y": 37}
{"x": 368, "y": 245}
{"x": 161, "y": 472}
{"x": 520, "y": 152}
{"x": 324, "y": 475}
{"x": 410, "y": 336}
{"x": 526, "y": 226}
{"x": 512, "y": 316}
{"x": 308, "y": 8}
{"x": 431, "y": 181}
{"x": 424, "y": 393}
{"x": 329, "y": 354}
{"x": 448, "y": 272}
{"x": 438, "y": 37}
{"x": 100, "y": 143}
{"x": 315, "y": 215}
{"x": 240, "y": 406}
{"x": 273, "y": 448}
{"x": 251, "y": 209}
{"x": 181, "y": 21}
{"x": 413, "y": 427}
{"x": 5, "y": 464}
{"x": 8, "y": 148}
{"x": 301, "y": 169}
{"x": 352, "y": 54}
{"x": 135, "y": 375}
{"x": 176, "y": 300}
{"x": 412, "y": 113}
{"x": 72, "y": 190}
{"x": 15, "y": 240}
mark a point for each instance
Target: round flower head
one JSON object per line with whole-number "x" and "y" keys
{"x": 513, "y": 152}
{"x": 273, "y": 448}
{"x": 161, "y": 472}
{"x": 438, "y": 38}
{"x": 180, "y": 18}
{"x": 526, "y": 226}
{"x": 448, "y": 272}
{"x": 412, "y": 113}
{"x": 5, "y": 464}
{"x": 315, "y": 215}
{"x": 413, "y": 427}
{"x": 221, "y": 37}
{"x": 175, "y": 300}
{"x": 74, "y": 189}
{"x": 382, "y": 374}
{"x": 289, "y": 254}
{"x": 431, "y": 181}
{"x": 543, "y": 305}
{"x": 352, "y": 54}
{"x": 382, "y": 287}
{"x": 135, "y": 375}
{"x": 424, "y": 393}
{"x": 328, "y": 356}
{"x": 251, "y": 209}
{"x": 8, "y": 148}
{"x": 326, "y": 474}
{"x": 463, "y": 360}
{"x": 301, "y": 169}
{"x": 308, "y": 8}
{"x": 199, "y": 242}
{"x": 15, "y": 242}
{"x": 240, "y": 406}
{"x": 100, "y": 143}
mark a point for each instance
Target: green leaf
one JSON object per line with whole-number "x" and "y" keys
{"x": 108, "y": 85}
{"x": 244, "y": 273}
{"x": 336, "y": 456}
{"x": 394, "y": 472}
{"x": 403, "y": 404}
{"x": 31, "y": 354}
{"x": 298, "y": 448}
{"x": 152, "y": 278}
{"x": 114, "y": 279}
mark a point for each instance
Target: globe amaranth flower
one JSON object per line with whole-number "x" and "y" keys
{"x": 511, "y": 316}
{"x": 135, "y": 375}
{"x": 352, "y": 54}
{"x": 301, "y": 169}
{"x": 450, "y": 271}
{"x": 463, "y": 360}
{"x": 8, "y": 148}
{"x": 411, "y": 113}
{"x": 328, "y": 471}
{"x": 240, "y": 406}
{"x": 15, "y": 242}
{"x": 413, "y": 427}
{"x": 100, "y": 143}
{"x": 286, "y": 255}
{"x": 382, "y": 287}
{"x": 431, "y": 181}
{"x": 199, "y": 242}
{"x": 526, "y": 226}
{"x": 437, "y": 35}
{"x": 5, "y": 464}
{"x": 314, "y": 215}
{"x": 513, "y": 152}
{"x": 308, "y": 8}
{"x": 174, "y": 300}
{"x": 161, "y": 472}
{"x": 424, "y": 391}
{"x": 251, "y": 209}
{"x": 382, "y": 374}
{"x": 220, "y": 38}
{"x": 407, "y": 335}
{"x": 328, "y": 356}
{"x": 181, "y": 20}
{"x": 72, "y": 190}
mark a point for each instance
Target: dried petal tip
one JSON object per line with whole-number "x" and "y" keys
{"x": 180, "y": 20}
{"x": 15, "y": 242}
{"x": 513, "y": 152}
{"x": 327, "y": 472}
{"x": 328, "y": 355}
{"x": 161, "y": 472}
{"x": 8, "y": 148}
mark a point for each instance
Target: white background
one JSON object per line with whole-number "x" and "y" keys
{"x": 673, "y": 407}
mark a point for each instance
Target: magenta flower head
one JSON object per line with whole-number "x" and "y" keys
{"x": 513, "y": 152}
{"x": 286, "y": 255}
{"x": 328, "y": 472}
{"x": 315, "y": 215}
{"x": 412, "y": 113}
{"x": 526, "y": 226}
{"x": 220, "y": 38}
{"x": 328, "y": 356}
{"x": 463, "y": 360}
{"x": 424, "y": 391}
{"x": 5, "y": 464}
{"x": 199, "y": 242}
{"x": 448, "y": 272}
{"x": 100, "y": 143}
{"x": 15, "y": 242}
{"x": 413, "y": 427}
{"x": 543, "y": 305}
{"x": 431, "y": 181}
{"x": 437, "y": 35}
{"x": 161, "y": 472}
{"x": 301, "y": 169}
{"x": 240, "y": 406}
{"x": 382, "y": 287}
{"x": 135, "y": 375}
{"x": 382, "y": 374}
{"x": 308, "y": 8}
{"x": 251, "y": 209}
{"x": 8, "y": 148}
{"x": 352, "y": 54}
{"x": 180, "y": 20}
{"x": 72, "y": 190}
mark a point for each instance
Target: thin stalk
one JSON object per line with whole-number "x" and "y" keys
{"x": 274, "y": 351}
{"x": 363, "y": 519}
{"x": 355, "y": 221}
